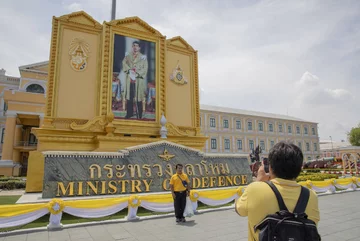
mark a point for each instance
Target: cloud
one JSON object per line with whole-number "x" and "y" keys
{"x": 332, "y": 108}
{"x": 339, "y": 93}
{"x": 74, "y": 7}
{"x": 312, "y": 91}
{"x": 308, "y": 79}
{"x": 296, "y": 57}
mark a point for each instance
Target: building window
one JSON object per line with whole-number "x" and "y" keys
{"x": 300, "y": 145}
{"x": 212, "y": 122}
{"x": 307, "y": 146}
{"x": 238, "y": 124}
{"x": 313, "y": 131}
{"x": 251, "y": 144}
{"x": 226, "y": 124}
{"x": 262, "y": 145}
{"x": 272, "y": 144}
{"x": 239, "y": 144}
{"x": 289, "y": 129}
{"x": 280, "y": 128}
{"x": 250, "y": 125}
{"x": 261, "y": 126}
{"x": 271, "y": 127}
{"x": 315, "y": 147}
{"x": 298, "y": 130}
{"x": 35, "y": 88}
{"x": 309, "y": 158}
{"x": 305, "y": 130}
{"x": 227, "y": 144}
{"x": 2, "y": 135}
{"x": 213, "y": 144}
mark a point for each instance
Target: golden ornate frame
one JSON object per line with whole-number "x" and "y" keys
{"x": 103, "y": 131}
{"x": 179, "y": 45}
{"x": 132, "y": 27}
{"x": 76, "y": 21}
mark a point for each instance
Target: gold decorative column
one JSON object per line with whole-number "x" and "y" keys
{"x": 9, "y": 137}
{"x": 18, "y": 138}
{"x": 18, "y": 141}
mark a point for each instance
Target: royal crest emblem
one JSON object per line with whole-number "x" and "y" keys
{"x": 177, "y": 76}
{"x": 79, "y": 51}
{"x": 166, "y": 156}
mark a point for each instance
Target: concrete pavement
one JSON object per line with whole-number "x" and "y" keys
{"x": 340, "y": 221}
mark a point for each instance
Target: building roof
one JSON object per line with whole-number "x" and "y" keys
{"x": 32, "y": 67}
{"x": 39, "y": 64}
{"x": 327, "y": 145}
{"x": 250, "y": 113}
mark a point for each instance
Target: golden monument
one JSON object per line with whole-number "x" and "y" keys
{"x": 112, "y": 86}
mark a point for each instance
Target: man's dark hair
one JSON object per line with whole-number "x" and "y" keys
{"x": 178, "y": 165}
{"x": 136, "y": 42}
{"x": 286, "y": 160}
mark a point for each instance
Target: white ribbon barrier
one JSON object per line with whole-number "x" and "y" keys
{"x": 22, "y": 219}
{"x": 211, "y": 202}
{"x": 21, "y": 214}
{"x": 95, "y": 212}
{"x": 331, "y": 185}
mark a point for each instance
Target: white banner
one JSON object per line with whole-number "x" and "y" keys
{"x": 22, "y": 219}
{"x": 95, "y": 213}
{"x": 212, "y": 202}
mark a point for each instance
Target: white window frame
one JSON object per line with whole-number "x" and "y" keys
{"x": 227, "y": 144}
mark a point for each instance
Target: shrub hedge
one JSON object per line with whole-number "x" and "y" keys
{"x": 11, "y": 183}
{"x": 316, "y": 170}
{"x": 316, "y": 177}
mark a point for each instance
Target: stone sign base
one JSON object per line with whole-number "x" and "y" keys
{"x": 139, "y": 169}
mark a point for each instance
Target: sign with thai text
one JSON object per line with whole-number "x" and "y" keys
{"x": 144, "y": 169}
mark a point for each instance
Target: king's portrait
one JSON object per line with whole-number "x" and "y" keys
{"x": 133, "y": 79}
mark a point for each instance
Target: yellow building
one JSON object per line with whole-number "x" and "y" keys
{"x": 229, "y": 130}
{"x": 239, "y": 131}
{"x": 22, "y": 108}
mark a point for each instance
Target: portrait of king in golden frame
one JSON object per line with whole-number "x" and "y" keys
{"x": 134, "y": 79}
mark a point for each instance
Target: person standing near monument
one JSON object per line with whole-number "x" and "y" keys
{"x": 180, "y": 189}
{"x": 135, "y": 66}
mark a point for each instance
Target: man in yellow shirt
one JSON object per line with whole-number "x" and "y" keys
{"x": 180, "y": 189}
{"x": 258, "y": 199}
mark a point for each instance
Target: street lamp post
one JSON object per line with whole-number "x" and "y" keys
{"x": 113, "y": 9}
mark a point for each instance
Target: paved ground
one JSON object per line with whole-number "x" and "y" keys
{"x": 340, "y": 221}
{"x": 12, "y": 192}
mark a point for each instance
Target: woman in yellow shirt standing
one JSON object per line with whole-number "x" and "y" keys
{"x": 180, "y": 189}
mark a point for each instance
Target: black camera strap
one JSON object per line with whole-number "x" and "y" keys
{"x": 182, "y": 181}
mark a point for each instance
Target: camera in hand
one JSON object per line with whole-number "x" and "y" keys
{"x": 266, "y": 164}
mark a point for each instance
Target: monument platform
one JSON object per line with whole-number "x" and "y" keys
{"x": 338, "y": 221}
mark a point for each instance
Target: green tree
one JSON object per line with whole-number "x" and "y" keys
{"x": 354, "y": 136}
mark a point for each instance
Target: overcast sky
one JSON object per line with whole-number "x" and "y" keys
{"x": 299, "y": 58}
